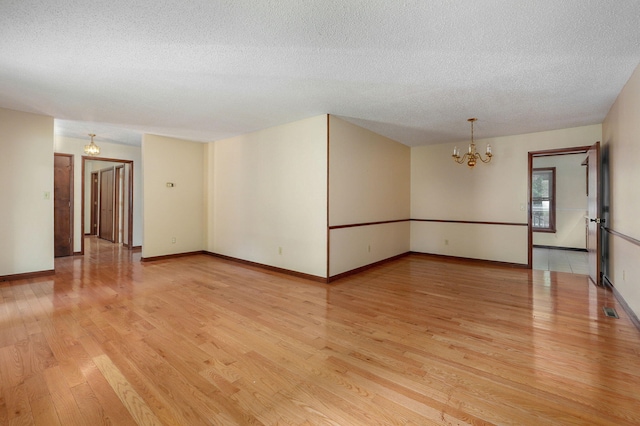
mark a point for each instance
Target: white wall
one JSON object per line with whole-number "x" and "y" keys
{"x": 369, "y": 181}
{"x": 26, "y": 214}
{"x": 173, "y": 217}
{"x": 268, "y": 191}
{"x": 107, "y": 150}
{"x": 621, "y": 146}
{"x": 493, "y": 192}
{"x": 571, "y": 202}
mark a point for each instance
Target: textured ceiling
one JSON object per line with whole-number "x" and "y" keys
{"x": 411, "y": 70}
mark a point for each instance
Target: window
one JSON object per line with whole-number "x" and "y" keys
{"x": 543, "y": 201}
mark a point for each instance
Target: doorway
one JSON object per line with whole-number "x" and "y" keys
{"x": 107, "y": 192}
{"x": 558, "y": 215}
{"x": 107, "y": 186}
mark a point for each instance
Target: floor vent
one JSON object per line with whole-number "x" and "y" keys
{"x": 610, "y": 312}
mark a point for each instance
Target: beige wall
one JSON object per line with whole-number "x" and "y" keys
{"x": 369, "y": 181}
{"x": 107, "y": 150}
{"x": 621, "y": 149}
{"x": 268, "y": 196}
{"x": 493, "y": 192}
{"x": 26, "y": 170}
{"x": 368, "y": 175}
{"x": 177, "y": 212}
{"x": 571, "y": 202}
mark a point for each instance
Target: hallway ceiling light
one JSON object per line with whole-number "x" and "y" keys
{"x": 92, "y": 149}
{"x": 471, "y": 156}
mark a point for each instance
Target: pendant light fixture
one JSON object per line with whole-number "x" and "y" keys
{"x": 92, "y": 149}
{"x": 472, "y": 156}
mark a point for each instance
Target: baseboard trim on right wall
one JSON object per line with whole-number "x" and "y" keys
{"x": 634, "y": 318}
{"x": 458, "y": 259}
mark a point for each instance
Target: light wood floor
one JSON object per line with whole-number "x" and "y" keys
{"x": 198, "y": 340}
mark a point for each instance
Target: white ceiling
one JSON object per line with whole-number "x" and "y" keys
{"x": 411, "y": 70}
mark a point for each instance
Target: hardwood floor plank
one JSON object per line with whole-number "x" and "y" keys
{"x": 12, "y": 370}
{"x": 109, "y": 401}
{"x": 44, "y": 412}
{"x": 63, "y": 400}
{"x": 89, "y": 405}
{"x": 137, "y": 407}
{"x": 17, "y": 405}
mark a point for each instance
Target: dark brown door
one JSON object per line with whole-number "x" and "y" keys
{"x": 594, "y": 213}
{"x": 95, "y": 190}
{"x": 107, "y": 200}
{"x": 63, "y": 204}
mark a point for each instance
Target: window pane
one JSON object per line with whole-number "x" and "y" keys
{"x": 540, "y": 214}
{"x": 542, "y": 186}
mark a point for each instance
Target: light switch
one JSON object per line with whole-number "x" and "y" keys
{"x": 46, "y": 195}
{"x": 170, "y": 185}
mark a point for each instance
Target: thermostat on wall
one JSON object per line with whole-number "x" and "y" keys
{"x": 169, "y": 184}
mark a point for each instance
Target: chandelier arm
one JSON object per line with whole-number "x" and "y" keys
{"x": 478, "y": 156}
{"x": 460, "y": 160}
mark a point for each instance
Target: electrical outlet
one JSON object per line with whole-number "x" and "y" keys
{"x": 446, "y": 242}
{"x": 369, "y": 248}
{"x": 280, "y": 251}
{"x": 173, "y": 240}
{"x": 47, "y": 195}
{"x": 624, "y": 275}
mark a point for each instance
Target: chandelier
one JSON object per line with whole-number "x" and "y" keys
{"x": 92, "y": 148}
{"x": 472, "y": 156}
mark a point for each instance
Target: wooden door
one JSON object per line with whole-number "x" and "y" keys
{"x": 107, "y": 200}
{"x": 63, "y": 204}
{"x": 95, "y": 190}
{"x": 594, "y": 242}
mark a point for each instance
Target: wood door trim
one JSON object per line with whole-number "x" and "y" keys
{"x": 118, "y": 173}
{"x": 531, "y": 155}
{"x": 86, "y": 158}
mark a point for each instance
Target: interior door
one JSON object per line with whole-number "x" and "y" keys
{"x": 63, "y": 204}
{"x": 95, "y": 190}
{"x": 594, "y": 242}
{"x": 107, "y": 200}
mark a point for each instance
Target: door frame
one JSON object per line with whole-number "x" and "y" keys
{"x": 532, "y": 155}
{"x": 118, "y": 187}
{"x": 86, "y": 158}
